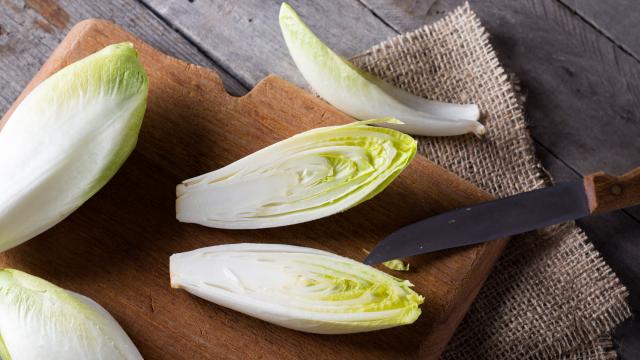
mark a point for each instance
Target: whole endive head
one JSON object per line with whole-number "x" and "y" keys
{"x": 296, "y": 287}
{"x": 39, "y": 320}
{"x": 364, "y": 96}
{"x": 67, "y": 138}
{"x": 311, "y": 175}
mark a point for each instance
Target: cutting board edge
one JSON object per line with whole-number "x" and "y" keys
{"x": 485, "y": 254}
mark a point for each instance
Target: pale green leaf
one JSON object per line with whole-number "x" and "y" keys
{"x": 364, "y": 96}
{"x": 309, "y": 176}
{"x": 39, "y": 320}
{"x": 67, "y": 138}
{"x": 299, "y": 288}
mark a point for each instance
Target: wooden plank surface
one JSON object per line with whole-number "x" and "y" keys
{"x": 30, "y": 30}
{"x": 245, "y": 35}
{"x": 616, "y": 19}
{"x": 519, "y": 29}
{"x": 582, "y": 90}
{"x": 115, "y": 248}
{"x": 582, "y": 99}
{"x": 574, "y": 77}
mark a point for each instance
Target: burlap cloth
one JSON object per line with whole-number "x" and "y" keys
{"x": 551, "y": 295}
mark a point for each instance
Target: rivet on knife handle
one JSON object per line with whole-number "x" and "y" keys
{"x": 607, "y": 192}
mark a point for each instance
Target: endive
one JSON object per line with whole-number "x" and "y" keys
{"x": 67, "y": 138}
{"x": 296, "y": 287}
{"x": 39, "y": 320}
{"x": 309, "y": 176}
{"x": 364, "y": 96}
{"x": 395, "y": 264}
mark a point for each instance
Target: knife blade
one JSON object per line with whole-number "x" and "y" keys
{"x": 511, "y": 215}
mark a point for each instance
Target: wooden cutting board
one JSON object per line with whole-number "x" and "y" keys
{"x": 116, "y": 247}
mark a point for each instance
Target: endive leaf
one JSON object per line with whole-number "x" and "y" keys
{"x": 364, "y": 96}
{"x": 306, "y": 177}
{"x": 296, "y": 287}
{"x": 4, "y": 353}
{"x": 39, "y": 320}
{"x": 397, "y": 265}
{"x": 67, "y": 138}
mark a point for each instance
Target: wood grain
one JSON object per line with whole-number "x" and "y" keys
{"x": 607, "y": 192}
{"x": 407, "y": 15}
{"x": 51, "y": 11}
{"x": 616, "y": 19}
{"x": 582, "y": 95}
{"x": 115, "y": 248}
{"x": 582, "y": 90}
{"x": 30, "y": 31}
{"x": 227, "y": 31}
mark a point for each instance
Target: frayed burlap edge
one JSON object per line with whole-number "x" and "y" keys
{"x": 551, "y": 295}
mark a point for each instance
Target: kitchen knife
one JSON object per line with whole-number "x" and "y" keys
{"x": 496, "y": 219}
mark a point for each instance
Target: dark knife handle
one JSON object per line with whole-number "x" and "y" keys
{"x": 607, "y": 193}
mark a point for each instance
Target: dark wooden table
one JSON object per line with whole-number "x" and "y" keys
{"x": 578, "y": 60}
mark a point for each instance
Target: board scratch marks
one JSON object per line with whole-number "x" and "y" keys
{"x": 50, "y": 11}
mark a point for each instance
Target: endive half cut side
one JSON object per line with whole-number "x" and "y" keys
{"x": 308, "y": 176}
{"x": 39, "y": 320}
{"x": 296, "y": 287}
{"x": 364, "y": 96}
{"x": 67, "y": 138}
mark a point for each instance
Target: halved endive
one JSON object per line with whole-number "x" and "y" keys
{"x": 364, "y": 96}
{"x": 296, "y": 287}
{"x": 39, "y": 320}
{"x": 67, "y": 138}
{"x": 311, "y": 175}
